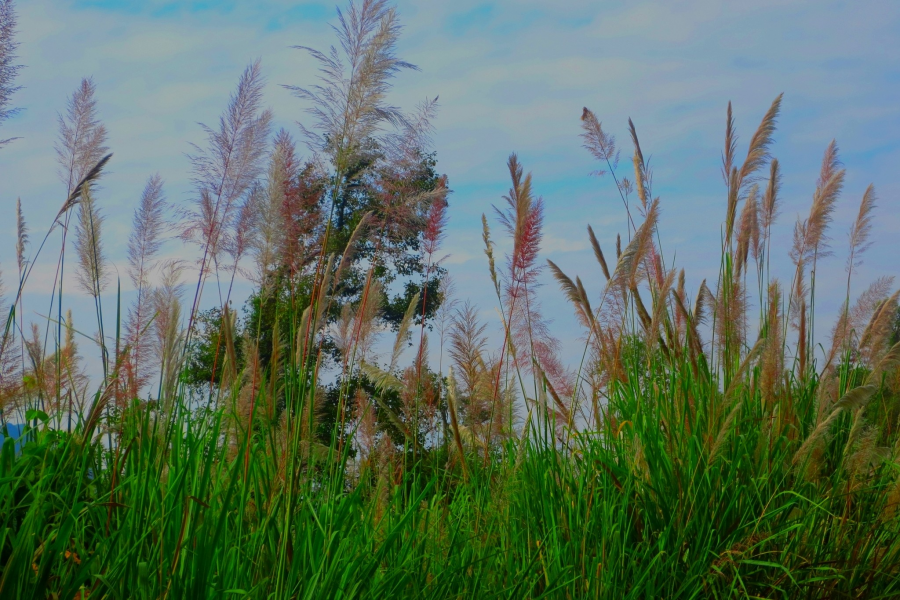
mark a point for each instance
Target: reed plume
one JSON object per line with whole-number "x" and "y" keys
{"x": 748, "y": 238}
{"x": 348, "y": 105}
{"x": 530, "y": 334}
{"x": 485, "y": 405}
{"x": 225, "y": 170}
{"x": 573, "y": 292}
{"x": 144, "y": 244}
{"x": 411, "y": 138}
{"x": 269, "y": 233}
{"x": 86, "y": 183}
{"x": 642, "y": 174}
{"x": 168, "y": 337}
{"x": 467, "y": 345}
{"x": 627, "y": 270}
{"x": 772, "y": 360}
{"x": 598, "y": 253}
{"x": 757, "y": 155}
{"x": 356, "y": 331}
{"x": 810, "y": 235}
{"x": 758, "y": 151}
{"x": 852, "y": 320}
{"x": 240, "y": 240}
{"x": 92, "y": 274}
{"x": 8, "y": 67}
{"x": 860, "y": 231}
{"x": 599, "y": 143}
{"x": 59, "y": 379}
{"x": 81, "y": 136}
{"x": 523, "y": 220}
{"x": 21, "y": 238}
{"x": 769, "y": 207}
{"x": 301, "y": 188}
{"x": 854, "y": 399}
{"x": 874, "y": 341}
{"x": 730, "y": 146}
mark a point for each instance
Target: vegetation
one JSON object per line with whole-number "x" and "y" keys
{"x": 702, "y": 449}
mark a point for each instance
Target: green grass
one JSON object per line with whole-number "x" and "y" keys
{"x": 637, "y": 510}
{"x": 739, "y": 467}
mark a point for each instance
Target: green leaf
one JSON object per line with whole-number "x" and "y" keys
{"x": 34, "y": 414}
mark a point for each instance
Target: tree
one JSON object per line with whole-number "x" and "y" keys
{"x": 368, "y": 205}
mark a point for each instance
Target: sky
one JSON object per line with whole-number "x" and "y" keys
{"x": 511, "y": 76}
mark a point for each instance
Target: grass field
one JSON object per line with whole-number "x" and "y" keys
{"x": 711, "y": 445}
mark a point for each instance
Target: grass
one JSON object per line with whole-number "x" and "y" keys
{"x": 694, "y": 483}
{"x": 702, "y": 449}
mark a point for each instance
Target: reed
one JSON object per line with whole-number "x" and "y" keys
{"x": 701, "y": 449}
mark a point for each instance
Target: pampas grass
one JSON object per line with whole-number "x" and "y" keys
{"x": 224, "y": 171}
{"x": 8, "y": 67}
{"x": 699, "y": 449}
{"x": 92, "y": 273}
{"x": 144, "y": 244}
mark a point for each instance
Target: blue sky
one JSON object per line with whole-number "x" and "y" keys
{"x": 511, "y": 76}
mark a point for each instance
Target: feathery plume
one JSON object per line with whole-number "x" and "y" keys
{"x": 403, "y": 331}
{"x": 875, "y": 338}
{"x": 226, "y": 169}
{"x": 523, "y": 221}
{"x": 681, "y": 317}
{"x": 168, "y": 336}
{"x": 772, "y": 361}
{"x": 641, "y": 173}
{"x": 144, "y": 244}
{"x": 596, "y": 141}
{"x": 862, "y": 227}
{"x": 852, "y": 321}
{"x": 147, "y": 229}
{"x": 435, "y": 222}
{"x": 8, "y": 67}
{"x": 758, "y": 152}
{"x": 598, "y": 253}
{"x": 166, "y": 303}
{"x": 405, "y": 146}
{"x": 467, "y": 346}
{"x": 21, "y": 237}
{"x": 270, "y": 235}
{"x": 768, "y": 208}
{"x": 574, "y": 293}
{"x": 626, "y": 271}
{"x": 854, "y": 399}
{"x": 348, "y": 105}
{"x": 723, "y": 431}
{"x": 92, "y": 273}
{"x": 748, "y": 231}
{"x": 810, "y": 238}
{"x": 81, "y": 136}
{"x": 352, "y": 244}
{"x": 659, "y": 307}
{"x": 85, "y": 184}
{"x": 730, "y": 147}
{"x": 454, "y": 420}
{"x": 489, "y": 252}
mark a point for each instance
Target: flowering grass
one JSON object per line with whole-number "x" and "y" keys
{"x": 702, "y": 449}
